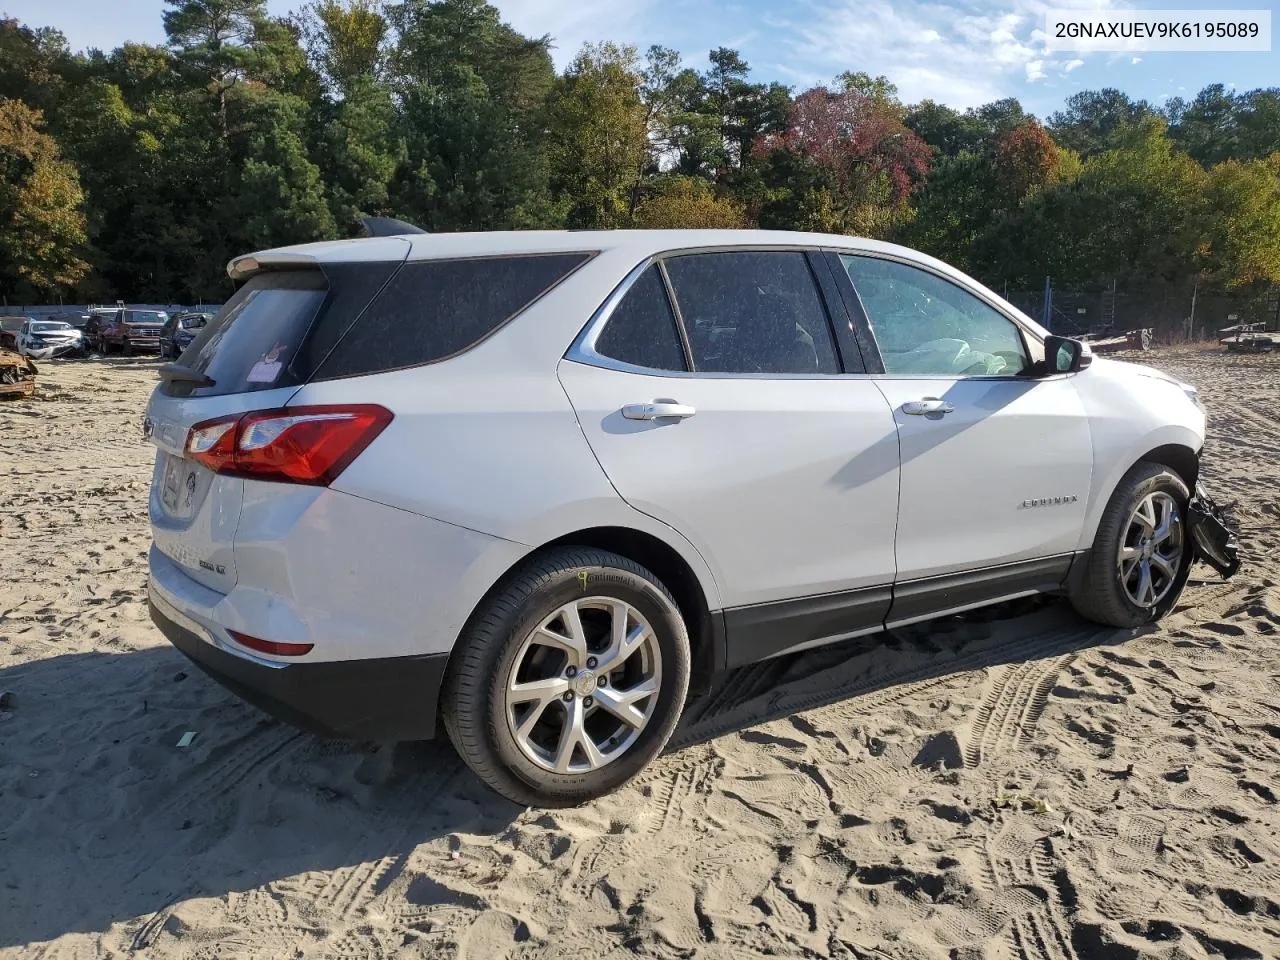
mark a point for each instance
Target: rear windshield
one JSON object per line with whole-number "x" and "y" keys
{"x": 248, "y": 346}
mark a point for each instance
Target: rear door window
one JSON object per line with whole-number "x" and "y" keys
{"x": 642, "y": 328}
{"x": 753, "y": 311}
{"x": 434, "y": 309}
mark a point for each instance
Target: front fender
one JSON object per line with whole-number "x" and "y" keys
{"x": 1132, "y": 411}
{"x": 1114, "y": 461}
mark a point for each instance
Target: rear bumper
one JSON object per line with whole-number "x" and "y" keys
{"x": 391, "y": 698}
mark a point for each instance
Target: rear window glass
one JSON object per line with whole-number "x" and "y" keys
{"x": 642, "y": 328}
{"x": 248, "y": 346}
{"x": 433, "y": 309}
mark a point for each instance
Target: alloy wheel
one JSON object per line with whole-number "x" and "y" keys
{"x": 584, "y": 685}
{"x": 1152, "y": 550}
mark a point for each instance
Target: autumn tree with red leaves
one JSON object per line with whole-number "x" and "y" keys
{"x": 869, "y": 161}
{"x": 1027, "y": 159}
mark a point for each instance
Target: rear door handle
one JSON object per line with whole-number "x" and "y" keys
{"x": 922, "y": 408}
{"x": 658, "y": 410}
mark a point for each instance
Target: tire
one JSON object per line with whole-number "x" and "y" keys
{"x": 126, "y": 348}
{"x": 1099, "y": 593}
{"x": 498, "y": 642}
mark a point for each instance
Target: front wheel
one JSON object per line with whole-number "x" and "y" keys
{"x": 1141, "y": 556}
{"x": 569, "y": 679}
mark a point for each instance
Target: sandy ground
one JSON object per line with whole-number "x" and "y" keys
{"x": 843, "y": 803}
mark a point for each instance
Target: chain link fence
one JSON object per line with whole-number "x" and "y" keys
{"x": 1175, "y": 313}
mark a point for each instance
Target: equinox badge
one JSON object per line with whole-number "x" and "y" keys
{"x": 1048, "y": 502}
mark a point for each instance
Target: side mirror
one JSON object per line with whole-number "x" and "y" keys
{"x": 1062, "y": 355}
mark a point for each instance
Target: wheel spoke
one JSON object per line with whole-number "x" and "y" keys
{"x": 1164, "y": 529}
{"x": 573, "y": 736}
{"x": 1129, "y": 557}
{"x": 618, "y": 653}
{"x": 541, "y": 693}
{"x": 1164, "y": 564}
{"x": 1145, "y": 588}
{"x": 1146, "y": 515}
{"x": 619, "y": 615}
{"x": 573, "y": 642}
{"x": 621, "y": 703}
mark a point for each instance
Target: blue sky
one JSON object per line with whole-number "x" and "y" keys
{"x": 963, "y": 53}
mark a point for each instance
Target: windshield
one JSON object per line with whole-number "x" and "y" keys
{"x": 193, "y": 323}
{"x": 50, "y": 327}
{"x": 139, "y": 316}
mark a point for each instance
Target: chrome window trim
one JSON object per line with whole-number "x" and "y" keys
{"x": 583, "y": 348}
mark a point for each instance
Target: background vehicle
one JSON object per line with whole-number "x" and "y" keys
{"x": 98, "y": 318}
{"x": 10, "y": 327}
{"x": 77, "y": 320}
{"x": 546, "y": 481}
{"x": 46, "y": 339}
{"x": 129, "y": 331}
{"x": 178, "y": 332}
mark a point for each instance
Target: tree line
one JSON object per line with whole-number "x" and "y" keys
{"x": 139, "y": 172}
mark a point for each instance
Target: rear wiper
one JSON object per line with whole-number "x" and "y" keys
{"x": 180, "y": 373}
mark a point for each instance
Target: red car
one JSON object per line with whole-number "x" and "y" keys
{"x": 129, "y": 331}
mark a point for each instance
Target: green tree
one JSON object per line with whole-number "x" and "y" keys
{"x": 1244, "y": 233}
{"x": 42, "y": 225}
{"x": 472, "y": 97}
{"x": 688, "y": 203}
{"x": 1137, "y": 214}
{"x": 599, "y": 132}
{"x": 948, "y": 131}
{"x": 1096, "y": 120}
{"x": 346, "y": 41}
{"x": 35, "y": 65}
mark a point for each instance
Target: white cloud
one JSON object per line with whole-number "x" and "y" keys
{"x": 964, "y": 54}
{"x": 572, "y": 24}
{"x": 1135, "y": 60}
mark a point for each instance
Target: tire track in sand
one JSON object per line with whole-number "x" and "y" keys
{"x": 1009, "y": 712}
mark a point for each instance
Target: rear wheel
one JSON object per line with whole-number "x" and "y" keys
{"x": 569, "y": 680}
{"x": 1141, "y": 556}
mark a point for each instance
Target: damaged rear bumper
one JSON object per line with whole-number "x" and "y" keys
{"x": 1213, "y": 534}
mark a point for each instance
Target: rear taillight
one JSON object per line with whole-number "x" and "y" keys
{"x": 293, "y": 445}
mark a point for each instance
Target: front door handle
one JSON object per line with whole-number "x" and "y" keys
{"x": 922, "y": 408}
{"x": 658, "y": 410}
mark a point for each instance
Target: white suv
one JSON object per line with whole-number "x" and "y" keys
{"x": 537, "y": 484}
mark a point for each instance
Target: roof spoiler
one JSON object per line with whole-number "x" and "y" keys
{"x": 387, "y": 227}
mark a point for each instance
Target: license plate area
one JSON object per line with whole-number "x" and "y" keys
{"x": 181, "y": 486}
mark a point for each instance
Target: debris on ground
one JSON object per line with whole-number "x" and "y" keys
{"x": 17, "y": 375}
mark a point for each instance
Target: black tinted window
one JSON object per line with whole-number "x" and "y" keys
{"x": 753, "y": 312}
{"x": 433, "y": 309}
{"x": 642, "y": 328}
